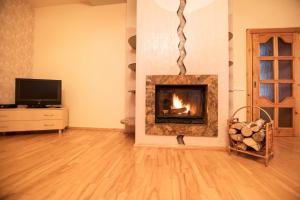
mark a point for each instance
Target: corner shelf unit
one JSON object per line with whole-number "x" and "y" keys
{"x": 132, "y": 66}
{"x": 132, "y": 42}
{"x": 129, "y": 122}
{"x": 230, "y": 36}
{"x": 131, "y": 91}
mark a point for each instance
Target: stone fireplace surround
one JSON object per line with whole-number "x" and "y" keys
{"x": 171, "y": 129}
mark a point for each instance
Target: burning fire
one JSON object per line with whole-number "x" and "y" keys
{"x": 177, "y": 104}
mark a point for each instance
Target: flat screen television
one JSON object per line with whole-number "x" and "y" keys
{"x": 38, "y": 92}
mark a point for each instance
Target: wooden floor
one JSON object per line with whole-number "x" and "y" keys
{"x": 85, "y": 164}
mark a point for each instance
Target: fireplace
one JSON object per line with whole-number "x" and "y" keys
{"x": 183, "y": 104}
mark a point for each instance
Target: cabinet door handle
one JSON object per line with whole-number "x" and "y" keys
{"x": 48, "y": 124}
{"x": 3, "y": 126}
{"x": 3, "y": 116}
{"x": 47, "y": 115}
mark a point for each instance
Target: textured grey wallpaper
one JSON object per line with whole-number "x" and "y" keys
{"x": 16, "y": 45}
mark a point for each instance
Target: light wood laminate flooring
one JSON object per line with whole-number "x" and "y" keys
{"x": 103, "y": 164}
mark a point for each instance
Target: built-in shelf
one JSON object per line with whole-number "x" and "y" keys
{"x": 230, "y": 36}
{"x": 131, "y": 91}
{"x": 129, "y": 121}
{"x": 132, "y": 66}
{"x": 132, "y": 41}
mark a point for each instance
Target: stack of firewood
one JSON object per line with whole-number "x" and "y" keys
{"x": 248, "y": 135}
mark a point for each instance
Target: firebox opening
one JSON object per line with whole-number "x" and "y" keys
{"x": 183, "y": 104}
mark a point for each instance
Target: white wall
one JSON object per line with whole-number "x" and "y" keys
{"x": 84, "y": 46}
{"x": 157, "y": 52}
{"x": 245, "y": 15}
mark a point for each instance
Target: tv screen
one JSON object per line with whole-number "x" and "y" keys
{"x": 38, "y": 92}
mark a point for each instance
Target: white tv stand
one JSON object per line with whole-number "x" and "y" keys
{"x": 33, "y": 119}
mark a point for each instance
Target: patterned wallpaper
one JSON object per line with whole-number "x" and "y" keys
{"x": 16, "y": 45}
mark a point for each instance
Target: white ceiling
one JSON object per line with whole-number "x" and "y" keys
{"x": 43, "y": 3}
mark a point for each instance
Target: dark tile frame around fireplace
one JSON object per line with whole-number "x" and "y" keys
{"x": 209, "y": 129}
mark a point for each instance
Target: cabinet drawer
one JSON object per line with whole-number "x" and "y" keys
{"x": 31, "y": 125}
{"x": 48, "y": 114}
{"x": 30, "y": 114}
{"x": 5, "y": 116}
{"x": 4, "y": 126}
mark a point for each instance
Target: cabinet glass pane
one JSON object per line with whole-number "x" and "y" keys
{"x": 285, "y": 90}
{"x": 266, "y": 70}
{"x": 285, "y": 118}
{"x": 284, "y": 48}
{"x": 266, "y": 49}
{"x": 285, "y": 69}
{"x": 270, "y": 111}
{"x": 267, "y": 90}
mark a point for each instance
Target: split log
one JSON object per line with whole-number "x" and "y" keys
{"x": 246, "y": 130}
{"x": 165, "y": 112}
{"x": 241, "y": 146}
{"x": 178, "y": 110}
{"x": 232, "y": 131}
{"x": 237, "y": 137}
{"x": 238, "y": 125}
{"x": 259, "y": 136}
{"x": 257, "y": 125}
{"x": 252, "y": 143}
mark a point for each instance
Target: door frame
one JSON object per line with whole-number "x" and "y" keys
{"x": 249, "y": 60}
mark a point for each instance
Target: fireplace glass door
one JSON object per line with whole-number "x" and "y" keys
{"x": 183, "y": 104}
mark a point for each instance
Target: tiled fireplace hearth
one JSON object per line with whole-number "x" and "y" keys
{"x": 182, "y": 105}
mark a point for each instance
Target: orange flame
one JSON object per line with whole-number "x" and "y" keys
{"x": 177, "y": 103}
